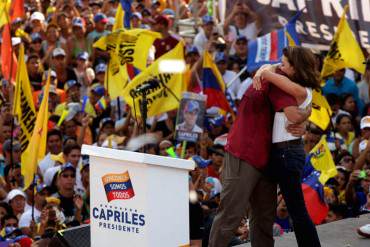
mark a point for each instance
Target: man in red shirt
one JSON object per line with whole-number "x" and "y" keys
{"x": 248, "y": 149}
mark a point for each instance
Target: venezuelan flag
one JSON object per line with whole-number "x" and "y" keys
{"x": 213, "y": 84}
{"x": 126, "y": 7}
{"x": 101, "y": 104}
{"x": 118, "y": 186}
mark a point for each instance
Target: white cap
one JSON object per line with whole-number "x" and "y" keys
{"x": 16, "y": 41}
{"x": 49, "y": 174}
{"x": 58, "y": 52}
{"x": 138, "y": 15}
{"x": 362, "y": 145}
{"x": 37, "y": 16}
{"x": 13, "y": 193}
{"x": 365, "y": 122}
{"x": 111, "y": 20}
{"x": 221, "y": 140}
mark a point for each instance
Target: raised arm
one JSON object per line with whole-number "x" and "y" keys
{"x": 285, "y": 84}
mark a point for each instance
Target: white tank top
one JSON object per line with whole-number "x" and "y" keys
{"x": 279, "y": 132}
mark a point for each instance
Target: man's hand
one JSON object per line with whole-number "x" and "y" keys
{"x": 297, "y": 130}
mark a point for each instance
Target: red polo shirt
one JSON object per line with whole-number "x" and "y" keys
{"x": 250, "y": 137}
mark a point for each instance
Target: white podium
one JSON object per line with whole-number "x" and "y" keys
{"x": 138, "y": 199}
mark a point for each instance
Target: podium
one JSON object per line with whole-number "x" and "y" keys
{"x": 138, "y": 199}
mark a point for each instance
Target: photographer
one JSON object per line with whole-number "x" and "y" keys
{"x": 357, "y": 190}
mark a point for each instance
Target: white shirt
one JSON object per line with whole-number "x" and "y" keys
{"x": 26, "y": 217}
{"x": 363, "y": 90}
{"x": 250, "y": 32}
{"x": 200, "y": 41}
{"x": 279, "y": 132}
{"x": 244, "y": 87}
{"x": 46, "y": 163}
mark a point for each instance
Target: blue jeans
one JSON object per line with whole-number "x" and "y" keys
{"x": 287, "y": 165}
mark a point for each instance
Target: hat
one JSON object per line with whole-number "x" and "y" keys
{"x": 207, "y": 19}
{"x": 111, "y": 21}
{"x": 7, "y": 146}
{"x": 365, "y": 122}
{"x": 220, "y": 57}
{"x": 73, "y": 109}
{"x": 83, "y": 55}
{"x": 191, "y": 106}
{"x": 78, "y": 22}
{"x": 67, "y": 166}
{"x": 37, "y": 16}
{"x": 161, "y": 19}
{"x": 98, "y": 89}
{"x": 36, "y": 37}
{"x": 201, "y": 163}
{"x": 192, "y": 49}
{"x": 41, "y": 187}
{"x": 217, "y": 121}
{"x": 221, "y": 140}
{"x": 71, "y": 83}
{"x": 241, "y": 37}
{"x": 59, "y": 52}
{"x": 137, "y": 15}
{"x": 16, "y": 41}
{"x": 100, "y": 68}
{"x": 168, "y": 12}
{"x": 50, "y": 174}
{"x": 14, "y": 193}
{"x": 106, "y": 121}
{"x": 100, "y": 17}
{"x": 53, "y": 74}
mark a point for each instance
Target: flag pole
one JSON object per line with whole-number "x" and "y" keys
{"x": 33, "y": 198}
{"x": 236, "y": 77}
{"x": 183, "y": 149}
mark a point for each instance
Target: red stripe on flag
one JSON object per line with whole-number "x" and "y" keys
{"x": 274, "y": 46}
{"x": 16, "y": 9}
{"x": 315, "y": 207}
{"x": 8, "y": 59}
{"x": 217, "y": 98}
{"x": 120, "y": 194}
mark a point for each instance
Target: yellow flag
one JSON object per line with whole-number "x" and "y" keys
{"x": 131, "y": 46}
{"x": 118, "y": 20}
{"x": 37, "y": 148}
{"x": 163, "y": 95}
{"x": 4, "y": 10}
{"x": 24, "y": 107}
{"x": 319, "y": 100}
{"x": 320, "y": 117}
{"x": 322, "y": 160}
{"x": 344, "y": 50}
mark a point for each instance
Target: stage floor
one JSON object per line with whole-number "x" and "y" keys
{"x": 337, "y": 234}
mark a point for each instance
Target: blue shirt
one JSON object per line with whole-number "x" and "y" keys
{"x": 345, "y": 86}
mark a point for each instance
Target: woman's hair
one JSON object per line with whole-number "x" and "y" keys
{"x": 341, "y": 116}
{"x": 304, "y": 64}
{"x": 344, "y": 98}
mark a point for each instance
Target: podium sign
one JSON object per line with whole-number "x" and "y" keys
{"x": 138, "y": 199}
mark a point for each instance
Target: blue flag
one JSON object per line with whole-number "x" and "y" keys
{"x": 126, "y": 6}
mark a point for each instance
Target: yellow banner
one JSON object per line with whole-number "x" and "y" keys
{"x": 24, "y": 107}
{"x": 164, "y": 93}
{"x": 4, "y": 10}
{"x": 37, "y": 148}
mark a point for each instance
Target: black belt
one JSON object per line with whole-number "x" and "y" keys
{"x": 288, "y": 143}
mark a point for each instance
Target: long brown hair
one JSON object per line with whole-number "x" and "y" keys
{"x": 304, "y": 63}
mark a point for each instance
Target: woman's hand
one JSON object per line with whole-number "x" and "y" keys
{"x": 258, "y": 78}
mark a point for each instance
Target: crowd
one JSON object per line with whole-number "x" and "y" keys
{"x": 58, "y": 35}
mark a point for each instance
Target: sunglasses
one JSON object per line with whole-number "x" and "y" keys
{"x": 66, "y": 175}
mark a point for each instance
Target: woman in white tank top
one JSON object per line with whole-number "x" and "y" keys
{"x": 297, "y": 75}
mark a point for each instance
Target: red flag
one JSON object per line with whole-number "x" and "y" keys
{"x": 16, "y": 9}
{"x": 8, "y": 59}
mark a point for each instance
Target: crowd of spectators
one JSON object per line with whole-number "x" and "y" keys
{"x": 58, "y": 35}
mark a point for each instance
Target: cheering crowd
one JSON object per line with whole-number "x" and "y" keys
{"x": 58, "y": 37}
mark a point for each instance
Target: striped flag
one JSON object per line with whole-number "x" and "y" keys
{"x": 268, "y": 49}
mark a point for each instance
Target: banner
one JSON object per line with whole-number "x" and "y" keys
{"x": 24, "y": 107}
{"x": 163, "y": 90}
{"x": 316, "y": 26}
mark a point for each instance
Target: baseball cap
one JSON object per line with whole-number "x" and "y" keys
{"x": 365, "y": 122}
{"x": 50, "y": 174}
{"x": 14, "y": 193}
{"x": 7, "y": 146}
{"x": 137, "y": 15}
{"x": 98, "y": 89}
{"x": 221, "y": 140}
{"x": 71, "y": 83}
{"x": 100, "y": 17}
{"x": 191, "y": 106}
{"x": 36, "y": 37}
{"x": 162, "y": 19}
{"x": 100, "y": 68}
{"x": 78, "y": 22}
{"x": 106, "y": 121}
{"x": 201, "y": 163}
{"x": 220, "y": 57}
{"x": 207, "y": 19}
{"x": 53, "y": 74}
{"x": 192, "y": 49}
{"x": 73, "y": 109}
{"x": 83, "y": 55}
{"x": 169, "y": 13}
{"x": 59, "y": 52}
{"x": 67, "y": 166}
{"x": 241, "y": 37}
{"x": 37, "y": 16}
